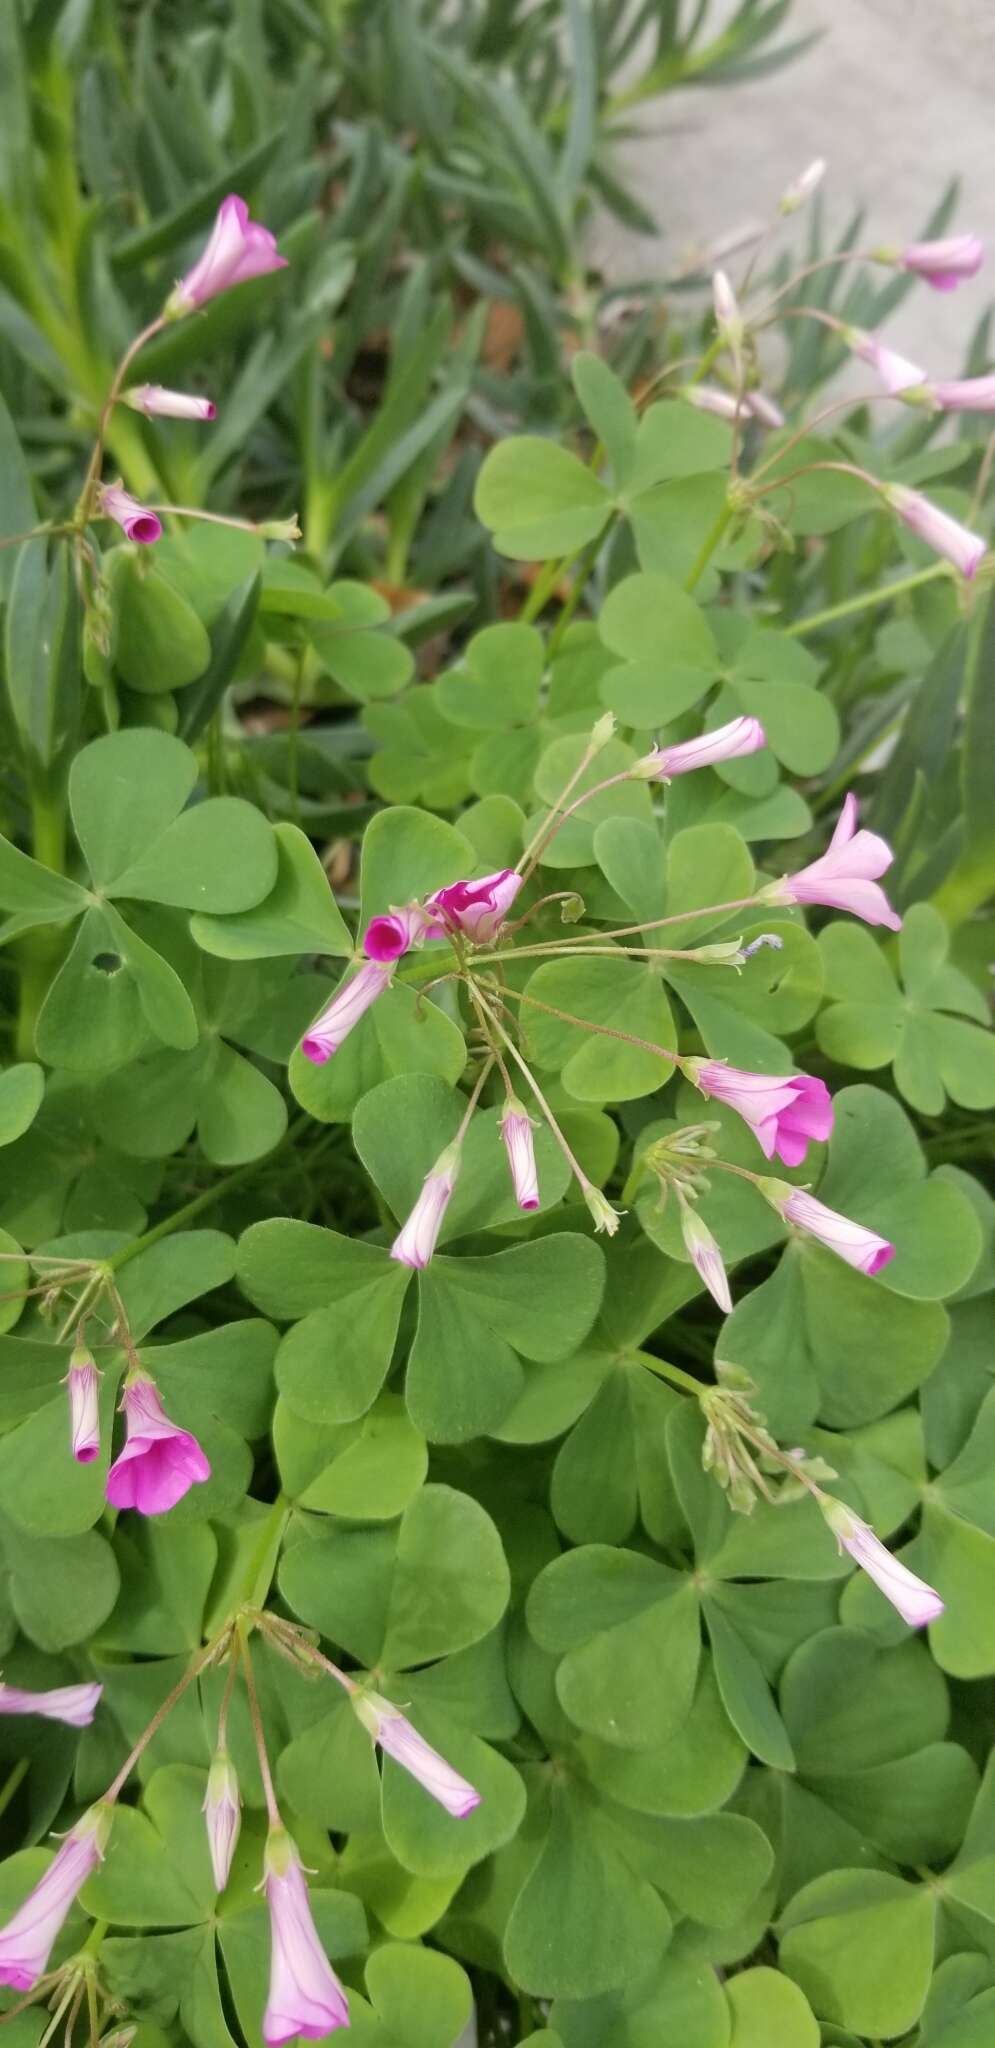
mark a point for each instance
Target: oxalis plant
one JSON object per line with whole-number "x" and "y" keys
{"x": 517, "y": 1663}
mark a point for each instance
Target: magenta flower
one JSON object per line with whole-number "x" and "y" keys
{"x": 916, "y": 1602}
{"x": 938, "y": 529}
{"x": 964, "y": 394}
{"x": 895, "y": 371}
{"x": 516, "y": 1132}
{"x": 726, "y": 743}
{"x": 83, "y": 1386}
{"x": 238, "y": 248}
{"x": 387, "y": 937}
{"x": 845, "y": 876}
{"x": 157, "y": 403}
{"x": 417, "y": 1238}
{"x": 305, "y": 1996}
{"x": 160, "y": 1462}
{"x": 222, "y": 1815}
{"x": 136, "y": 520}
{"x": 73, "y": 1704}
{"x": 946, "y": 263}
{"x": 476, "y": 909}
{"x": 342, "y": 1014}
{"x": 396, "y": 1736}
{"x": 705, "y": 1256}
{"x": 28, "y": 1938}
{"x": 784, "y": 1111}
{"x": 850, "y": 1241}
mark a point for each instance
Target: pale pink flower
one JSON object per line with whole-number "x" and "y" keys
{"x": 476, "y": 909}
{"x": 802, "y": 187}
{"x": 73, "y": 1704}
{"x": 390, "y": 935}
{"x": 136, "y": 520}
{"x": 895, "y": 371}
{"x": 726, "y": 406}
{"x": 160, "y": 1462}
{"x": 861, "y": 1248}
{"x": 29, "y": 1936}
{"x": 916, "y": 1602}
{"x": 305, "y": 1996}
{"x": 728, "y": 317}
{"x": 238, "y": 248}
{"x": 940, "y": 530}
{"x": 342, "y": 1014}
{"x": 396, "y": 1736}
{"x": 726, "y": 743}
{"x": 784, "y": 1111}
{"x": 156, "y": 402}
{"x": 964, "y": 394}
{"x": 222, "y": 1815}
{"x": 845, "y": 876}
{"x": 705, "y": 1255}
{"x": 83, "y": 1388}
{"x": 516, "y": 1132}
{"x": 417, "y": 1238}
{"x": 764, "y": 409}
{"x": 946, "y": 263}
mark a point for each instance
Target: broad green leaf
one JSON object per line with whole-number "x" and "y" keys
{"x": 859, "y": 1944}
{"x": 365, "y": 1471}
{"x": 582, "y": 1923}
{"x": 300, "y": 914}
{"x": 538, "y": 498}
{"x": 160, "y": 642}
{"x": 766, "y": 2008}
{"x": 22, "y": 1088}
{"x": 630, "y": 1636}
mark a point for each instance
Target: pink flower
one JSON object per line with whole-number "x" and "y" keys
{"x": 726, "y": 406}
{"x": 137, "y": 522}
{"x": 845, "y": 876}
{"x": 938, "y": 529}
{"x": 342, "y": 1014}
{"x": 916, "y": 1602}
{"x": 946, "y": 263}
{"x": 396, "y": 1736}
{"x": 160, "y": 1462}
{"x": 964, "y": 394}
{"x": 706, "y": 1256}
{"x": 850, "y": 1241}
{"x": 764, "y": 409}
{"x": 726, "y": 743}
{"x": 417, "y": 1238}
{"x": 895, "y": 371}
{"x": 73, "y": 1704}
{"x": 83, "y": 1385}
{"x": 387, "y": 937}
{"x": 223, "y": 1815}
{"x": 476, "y": 909}
{"x": 783, "y": 1111}
{"x": 28, "y": 1938}
{"x": 728, "y": 317}
{"x": 516, "y": 1132}
{"x": 157, "y": 403}
{"x": 305, "y": 1996}
{"x": 238, "y": 248}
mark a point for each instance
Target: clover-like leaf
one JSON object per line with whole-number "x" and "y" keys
{"x": 932, "y": 1032}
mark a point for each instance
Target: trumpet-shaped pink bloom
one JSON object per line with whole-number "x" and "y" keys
{"x": 222, "y": 1815}
{"x": 305, "y": 1996}
{"x": 29, "y": 1937}
{"x": 861, "y": 1248}
{"x": 726, "y": 743}
{"x": 397, "y": 1738}
{"x": 964, "y": 394}
{"x": 895, "y": 371}
{"x": 516, "y": 1132}
{"x": 135, "y": 520}
{"x": 940, "y": 530}
{"x": 417, "y": 1238}
{"x": 73, "y": 1704}
{"x": 342, "y": 1014}
{"x": 916, "y": 1602}
{"x": 83, "y": 1388}
{"x": 845, "y": 876}
{"x": 160, "y": 1461}
{"x": 784, "y": 1111}
{"x": 726, "y": 406}
{"x": 156, "y": 402}
{"x": 944, "y": 264}
{"x": 476, "y": 909}
{"x": 387, "y": 937}
{"x": 238, "y": 248}
{"x": 705, "y": 1255}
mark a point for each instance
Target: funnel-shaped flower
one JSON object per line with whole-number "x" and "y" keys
{"x": 73, "y": 1704}
{"x": 83, "y": 1388}
{"x": 396, "y": 1736}
{"x": 342, "y": 1014}
{"x": 916, "y": 1602}
{"x": 222, "y": 1815}
{"x": 160, "y": 1461}
{"x": 387, "y": 937}
{"x": 845, "y": 876}
{"x": 895, "y": 371}
{"x": 28, "y": 1938}
{"x": 940, "y": 530}
{"x": 726, "y": 743}
{"x": 963, "y": 394}
{"x": 944, "y": 264}
{"x": 476, "y": 909}
{"x": 134, "y": 519}
{"x": 516, "y": 1132}
{"x": 417, "y": 1238}
{"x": 305, "y": 1996}
{"x": 727, "y": 406}
{"x": 705, "y": 1255}
{"x": 156, "y": 402}
{"x": 784, "y": 1111}
{"x": 861, "y": 1248}
{"x": 238, "y": 248}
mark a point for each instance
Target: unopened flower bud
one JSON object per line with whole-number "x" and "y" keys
{"x": 802, "y": 187}
{"x": 604, "y": 730}
{"x": 416, "y": 1240}
{"x": 280, "y": 529}
{"x": 223, "y": 1815}
{"x": 705, "y": 1256}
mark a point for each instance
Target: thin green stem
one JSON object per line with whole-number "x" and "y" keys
{"x": 42, "y": 949}
{"x": 708, "y": 546}
{"x": 586, "y": 940}
{"x": 182, "y": 1216}
{"x": 479, "y": 1003}
{"x": 293, "y": 739}
{"x": 161, "y": 1714}
{"x": 15, "y": 1778}
{"x": 685, "y": 1380}
{"x": 866, "y": 600}
{"x": 585, "y": 1024}
{"x": 557, "y": 817}
{"x": 255, "y": 1716}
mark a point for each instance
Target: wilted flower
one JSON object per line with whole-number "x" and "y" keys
{"x": 861, "y": 1248}
{"x": 895, "y": 371}
{"x": 516, "y": 1132}
{"x": 238, "y": 248}
{"x": 390, "y": 935}
{"x": 417, "y": 1238}
{"x": 706, "y": 1256}
{"x": 940, "y": 530}
{"x": 29, "y": 1936}
{"x": 83, "y": 1387}
{"x": 347, "y": 1006}
{"x": 916, "y": 1602}
{"x": 944, "y": 264}
{"x": 160, "y": 1461}
{"x": 477, "y": 909}
{"x": 783, "y": 1111}
{"x": 606, "y": 1218}
{"x": 73, "y": 1704}
{"x": 157, "y": 403}
{"x": 396, "y": 1736}
{"x": 726, "y": 743}
{"x": 845, "y": 876}
{"x": 305, "y": 1996}
{"x": 802, "y": 187}
{"x": 223, "y": 1815}
{"x": 136, "y": 520}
